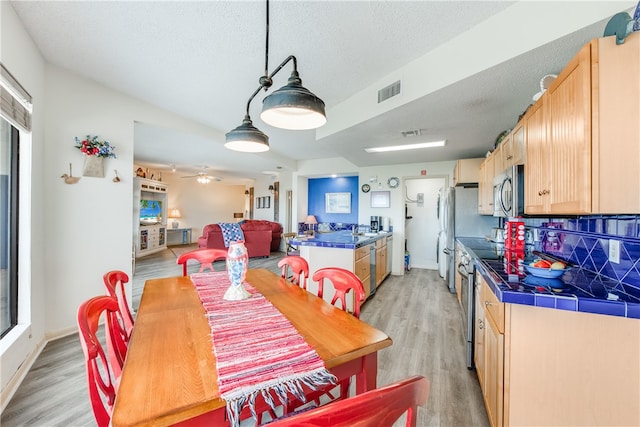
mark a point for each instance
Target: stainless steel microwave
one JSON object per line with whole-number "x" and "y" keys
{"x": 508, "y": 193}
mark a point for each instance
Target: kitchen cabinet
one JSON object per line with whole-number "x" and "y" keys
{"x": 518, "y": 149}
{"x": 537, "y": 174}
{"x": 381, "y": 260}
{"x": 528, "y": 358}
{"x": 492, "y": 359}
{"x": 485, "y": 186}
{"x": 362, "y": 267}
{"x": 478, "y": 338}
{"x": 499, "y": 163}
{"x": 589, "y": 123}
{"x": 466, "y": 171}
{"x": 513, "y": 148}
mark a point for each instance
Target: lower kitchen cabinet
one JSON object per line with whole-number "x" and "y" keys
{"x": 381, "y": 261}
{"x": 362, "y": 267}
{"x": 545, "y": 366}
{"x": 490, "y": 352}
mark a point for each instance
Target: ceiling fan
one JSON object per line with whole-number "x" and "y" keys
{"x": 203, "y": 177}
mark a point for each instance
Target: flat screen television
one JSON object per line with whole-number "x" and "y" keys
{"x": 150, "y": 211}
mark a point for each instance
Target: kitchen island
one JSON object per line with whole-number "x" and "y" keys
{"x": 365, "y": 254}
{"x": 559, "y": 352}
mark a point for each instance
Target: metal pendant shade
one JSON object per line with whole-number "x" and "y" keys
{"x": 247, "y": 138}
{"x": 293, "y": 107}
{"x": 290, "y": 107}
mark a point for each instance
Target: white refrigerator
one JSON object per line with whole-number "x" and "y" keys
{"x": 458, "y": 216}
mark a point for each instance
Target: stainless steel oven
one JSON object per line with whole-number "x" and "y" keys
{"x": 465, "y": 270}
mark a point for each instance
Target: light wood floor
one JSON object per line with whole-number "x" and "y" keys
{"x": 416, "y": 310}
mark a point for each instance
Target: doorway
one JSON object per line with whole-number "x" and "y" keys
{"x": 422, "y": 229}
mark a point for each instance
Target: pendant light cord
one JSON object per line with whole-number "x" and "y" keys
{"x": 266, "y": 49}
{"x": 266, "y": 80}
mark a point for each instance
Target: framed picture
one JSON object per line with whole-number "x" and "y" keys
{"x": 380, "y": 199}
{"x": 267, "y": 202}
{"x": 258, "y": 202}
{"x": 337, "y": 203}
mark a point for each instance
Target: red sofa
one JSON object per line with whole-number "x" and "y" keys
{"x": 259, "y": 237}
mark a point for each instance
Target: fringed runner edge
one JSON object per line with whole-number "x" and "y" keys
{"x": 237, "y": 399}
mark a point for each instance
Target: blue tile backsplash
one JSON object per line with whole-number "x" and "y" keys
{"x": 584, "y": 241}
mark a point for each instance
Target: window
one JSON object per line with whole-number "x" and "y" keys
{"x": 9, "y": 144}
{"x": 15, "y": 110}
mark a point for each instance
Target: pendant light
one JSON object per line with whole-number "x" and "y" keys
{"x": 290, "y": 107}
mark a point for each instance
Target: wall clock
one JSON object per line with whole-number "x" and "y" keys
{"x": 365, "y": 188}
{"x": 393, "y": 182}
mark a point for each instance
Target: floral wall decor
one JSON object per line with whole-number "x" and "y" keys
{"x": 95, "y": 151}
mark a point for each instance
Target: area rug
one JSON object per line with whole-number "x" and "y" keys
{"x": 258, "y": 351}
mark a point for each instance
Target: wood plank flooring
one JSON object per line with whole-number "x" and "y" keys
{"x": 416, "y": 310}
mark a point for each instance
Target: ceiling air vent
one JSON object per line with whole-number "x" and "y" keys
{"x": 387, "y": 92}
{"x": 411, "y": 133}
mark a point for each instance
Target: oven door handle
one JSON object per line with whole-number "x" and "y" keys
{"x": 462, "y": 269}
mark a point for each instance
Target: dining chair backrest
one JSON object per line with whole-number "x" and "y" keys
{"x": 100, "y": 376}
{"x": 379, "y": 407}
{"x": 117, "y": 349}
{"x": 115, "y": 281}
{"x": 299, "y": 269}
{"x": 343, "y": 281}
{"x": 205, "y": 257}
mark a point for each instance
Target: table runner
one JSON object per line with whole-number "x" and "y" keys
{"x": 257, "y": 349}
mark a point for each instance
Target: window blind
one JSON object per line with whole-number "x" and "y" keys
{"x": 15, "y": 101}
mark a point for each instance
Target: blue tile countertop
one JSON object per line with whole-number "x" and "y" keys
{"x": 338, "y": 239}
{"x": 577, "y": 289}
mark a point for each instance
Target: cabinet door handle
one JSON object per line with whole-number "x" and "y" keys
{"x": 509, "y": 157}
{"x": 487, "y": 303}
{"x": 543, "y": 192}
{"x": 480, "y": 325}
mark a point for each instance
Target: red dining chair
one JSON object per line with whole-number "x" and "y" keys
{"x": 380, "y": 407}
{"x": 343, "y": 281}
{"x": 205, "y": 257}
{"x": 299, "y": 269}
{"x": 100, "y": 376}
{"x": 114, "y": 281}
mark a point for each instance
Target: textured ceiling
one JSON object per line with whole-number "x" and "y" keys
{"x": 202, "y": 60}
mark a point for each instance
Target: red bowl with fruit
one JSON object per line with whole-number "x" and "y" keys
{"x": 546, "y": 269}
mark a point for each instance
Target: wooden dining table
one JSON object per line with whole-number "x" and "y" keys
{"x": 170, "y": 378}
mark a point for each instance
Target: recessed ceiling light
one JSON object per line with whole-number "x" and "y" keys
{"x": 406, "y": 147}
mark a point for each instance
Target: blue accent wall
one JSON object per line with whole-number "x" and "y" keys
{"x": 318, "y": 187}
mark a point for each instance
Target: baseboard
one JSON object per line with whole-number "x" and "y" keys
{"x": 21, "y": 373}
{"x": 12, "y": 387}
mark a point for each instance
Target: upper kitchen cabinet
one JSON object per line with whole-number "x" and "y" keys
{"x": 537, "y": 175}
{"x": 517, "y": 152}
{"x": 616, "y": 141}
{"x": 467, "y": 171}
{"x": 485, "y": 186}
{"x": 583, "y": 135}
